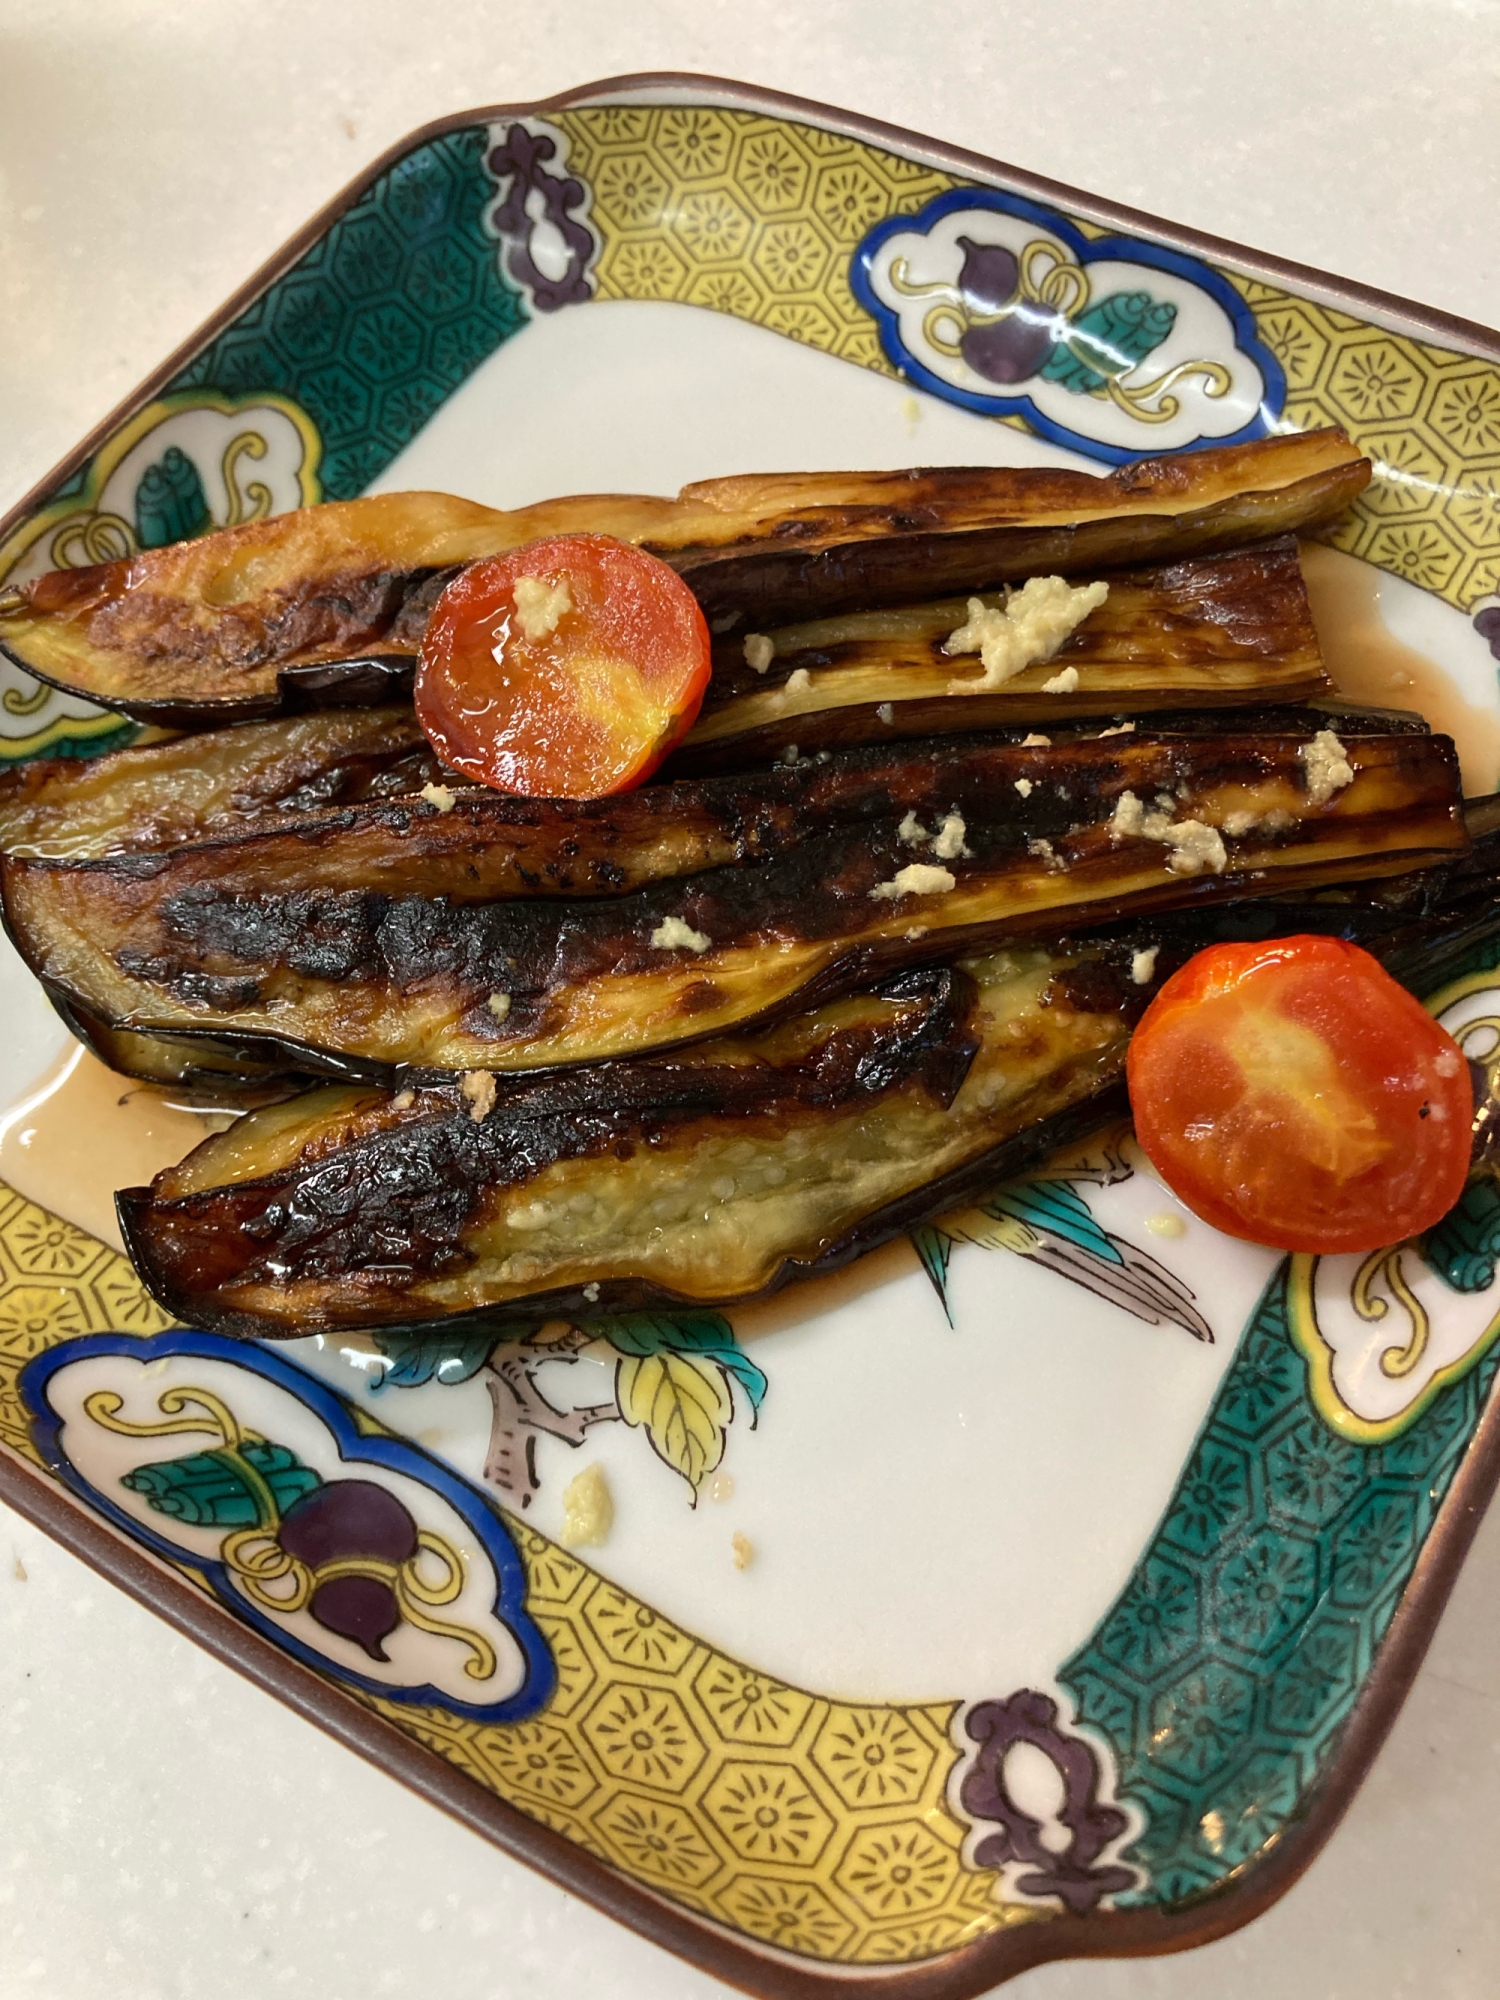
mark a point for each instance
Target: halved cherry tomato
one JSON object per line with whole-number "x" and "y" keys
{"x": 565, "y": 669}
{"x": 1292, "y": 1093}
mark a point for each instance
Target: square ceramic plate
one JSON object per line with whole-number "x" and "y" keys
{"x": 1091, "y": 1552}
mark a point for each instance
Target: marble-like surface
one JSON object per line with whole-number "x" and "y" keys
{"x": 167, "y": 1830}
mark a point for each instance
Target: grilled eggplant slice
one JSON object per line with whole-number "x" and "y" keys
{"x": 1208, "y": 632}
{"x": 201, "y": 631}
{"x": 223, "y": 628}
{"x": 873, "y": 861}
{"x": 710, "y": 1174}
{"x": 205, "y": 1074}
{"x": 196, "y": 787}
{"x": 257, "y": 777}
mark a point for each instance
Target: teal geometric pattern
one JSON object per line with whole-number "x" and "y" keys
{"x": 385, "y": 316}
{"x": 1224, "y": 1674}
{"x": 1226, "y": 1671}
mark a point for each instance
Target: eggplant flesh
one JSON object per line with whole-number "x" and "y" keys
{"x": 1007, "y": 840}
{"x": 713, "y": 1174}
{"x": 283, "y": 775}
{"x": 221, "y": 627}
{"x": 198, "y": 787}
{"x": 199, "y": 1071}
{"x": 1207, "y": 633}
{"x": 748, "y": 1161}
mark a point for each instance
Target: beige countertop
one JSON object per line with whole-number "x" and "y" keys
{"x": 165, "y": 1828}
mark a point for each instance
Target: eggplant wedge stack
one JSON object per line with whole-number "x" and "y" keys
{"x": 1202, "y": 636}
{"x": 327, "y": 606}
{"x": 399, "y": 936}
{"x": 711, "y": 1173}
{"x": 1207, "y": 632}
{"x": 748, "y": 1021}
{"x": 194, "y": 787}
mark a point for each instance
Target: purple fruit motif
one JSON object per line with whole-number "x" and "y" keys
{"x": 1487, "y": 625}
{"x": 1011, "y": 348}
{"x": 352, "y": 1518}
{"x": 361, "y": 1608}
{"x": 989, "y": 277}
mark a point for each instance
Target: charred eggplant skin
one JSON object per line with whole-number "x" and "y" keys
{"x": 1158, "y": 510}
{"x": 162, "y": 1251}
{"x": 372, "y": 1210}
{"x": 222, "y": 628}
{"x": 306, "y": 774}
{"x": 231, "y": 941}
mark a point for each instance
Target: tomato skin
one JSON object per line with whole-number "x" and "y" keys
{"x": 586, "y": 708}
{"x": 1293, "y": 1094}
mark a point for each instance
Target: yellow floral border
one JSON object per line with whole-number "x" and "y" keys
{"x": 815, "y": 1825}
{"x": 753, "y": 215}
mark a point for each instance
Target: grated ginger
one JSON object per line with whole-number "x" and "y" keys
{"x": 672, "y": 934}
{"x": 919, "y": 878}
{"x": 1326, "y": 764}
{"x": 1031, "y": 627}
{"x": 540, "y": 606}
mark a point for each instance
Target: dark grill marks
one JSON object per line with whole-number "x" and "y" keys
{"x": 403, "y": 1195}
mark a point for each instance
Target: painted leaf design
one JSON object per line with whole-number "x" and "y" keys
{"x": 1111, "y": 338}
{"x": 208, "y": 1489}
{"x": 991, "y": 1232}
{"x": 682, "y": 1403}
{"x": 1051, "y": 1223}
{"x": 170, "y": 505}
{"x": 1463, "y": 1248}
{"x": 415, "y": 1362}
{"x": 1053, "y": 1208}
{"x": 934, "y": 1247}
{"x": 706, "y": 1333}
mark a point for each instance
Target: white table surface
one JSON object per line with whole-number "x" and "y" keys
{"x": 167, "y": 1832}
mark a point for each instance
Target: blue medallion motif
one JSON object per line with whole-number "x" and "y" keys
{"x": 318, "y": 1530}
{"x": 1114, "y": 347}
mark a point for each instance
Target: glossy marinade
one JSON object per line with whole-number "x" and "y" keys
{"x": 402, "y": 935}
{"x": 708, "y": 1174}
{"x": 1205, "y": 633}
{"x": 274, "y": 614}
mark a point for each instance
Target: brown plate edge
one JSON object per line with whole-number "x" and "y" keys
{"x": 770, "y": 1975}
{"x": 971, "y": 1969}
{"x": 1404, "y": 315}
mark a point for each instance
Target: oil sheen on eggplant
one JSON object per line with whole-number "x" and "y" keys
{"x": 195, "y": 787}
{"x": 709, "y": 1174}
{"x": 224, "y": 627}
{"x": 1207, "y": 632}
{"x": 198, "y": 1070}
{"x": 619, "y": 1185}
{"x": 229, "y": 939}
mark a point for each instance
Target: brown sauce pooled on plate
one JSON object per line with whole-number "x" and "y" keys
{"x": 82, "y": 1131}
{"x": 1367, "y": 662}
